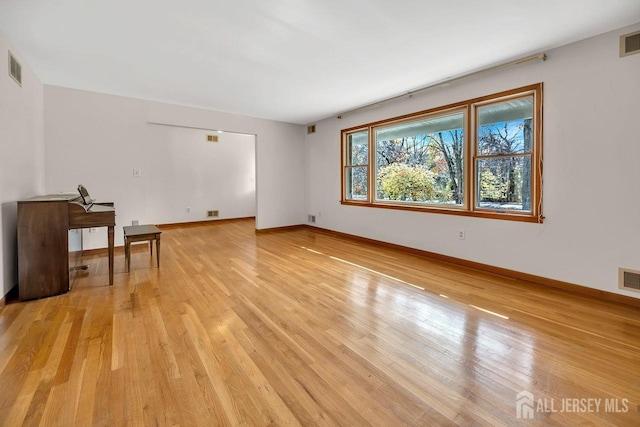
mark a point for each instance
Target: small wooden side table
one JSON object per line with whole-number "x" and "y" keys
{"x": 141, "y": 233}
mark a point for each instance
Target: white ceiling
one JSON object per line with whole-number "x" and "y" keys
{"x": 296, "y": 61}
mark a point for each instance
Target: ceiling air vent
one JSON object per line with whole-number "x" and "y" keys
{"x": 629, "y": 279}
{"x": 212, "y": 138}
{"x": 311, "y": 129}
{"x": 630, "y": 44}
{"x": 15, "y": 69}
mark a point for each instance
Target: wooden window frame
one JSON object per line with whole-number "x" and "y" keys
{"x": 346, "y": 164}
{"x": 468, "y": 208}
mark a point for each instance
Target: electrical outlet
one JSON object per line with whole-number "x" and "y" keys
{"x": 93, "y": 230}
{"x": 136, "y": 173}
{"x": 135, "y": 222}
{"x": 188, "y": 210}
{"x": 462, "y": 234}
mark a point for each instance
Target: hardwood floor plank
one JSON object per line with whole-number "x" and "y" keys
{"x": 18, "y": 411}
{"x": 290, "y": 391}
{"x": 214, "y": 372}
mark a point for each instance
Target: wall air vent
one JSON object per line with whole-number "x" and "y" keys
{"x": 213, "y": 214}
{"x": 629, "y": 279}
{"x": 630, "y": 44}
{"x": 311, "y": 129}
{"x": 212, "y": 138}
{"x": 15, "y": 69}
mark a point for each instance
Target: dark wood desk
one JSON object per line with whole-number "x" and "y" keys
{"x": 98, "y": 215}
{"x": 141, "y": 233}
{"x": 44, "y": 262}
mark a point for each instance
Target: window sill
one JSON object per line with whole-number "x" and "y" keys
{"x": 511, "y": 216}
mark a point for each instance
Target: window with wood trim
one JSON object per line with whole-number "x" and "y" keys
{"x": 480, "y": 157}
{"x": 356, "y": 170}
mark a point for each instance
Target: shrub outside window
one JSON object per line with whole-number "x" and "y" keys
{"x": 421, "y": 161}
{"x": 480, "y": 157}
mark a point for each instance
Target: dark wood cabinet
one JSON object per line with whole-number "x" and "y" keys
{"x": 44, "y": 259}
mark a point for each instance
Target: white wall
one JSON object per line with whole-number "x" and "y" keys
{"x": 187, "y": 171}
{"x": 98, "y": 140}
{"x": 21, "y": 153}
{"x": 591, "y": 173}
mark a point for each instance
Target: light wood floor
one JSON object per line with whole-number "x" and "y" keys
{"x": 303, "y": 328}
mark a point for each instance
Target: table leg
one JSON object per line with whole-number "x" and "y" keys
{"x": 158, "y": 249}
{"x": 110, "y": 239}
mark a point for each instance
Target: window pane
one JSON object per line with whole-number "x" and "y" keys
{"x": 358, "y": 148}
{"x": 356, "y": 182}
{"x": 421, "y": 161}
{"x": 505, "y": 128}
{"x": 504, "y": 183}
